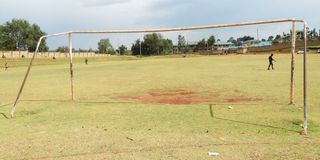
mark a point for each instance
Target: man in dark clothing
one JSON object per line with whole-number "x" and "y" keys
{"x": 271, "y": 62}
{"x": 86, "y": 61}
{"x": 6, "y": 66}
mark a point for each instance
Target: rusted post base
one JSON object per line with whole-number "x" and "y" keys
{"x": 304, "y": 132}
{"x": 12, "y": 111}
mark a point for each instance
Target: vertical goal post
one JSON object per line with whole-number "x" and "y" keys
{"x": 293, "y": 48}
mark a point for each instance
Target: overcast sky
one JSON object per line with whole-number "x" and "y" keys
{"x": 64, "y": 15}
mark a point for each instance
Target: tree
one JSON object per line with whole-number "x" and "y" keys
{"x": 135, "y": 48}
{"x": 19, "y": 34}
{"x": 211, "y": 41}
{"x": 232, "y": 40}
{"x": 200, "y": 45}
{"x": 245, "y": 38}
{"x": 2, "y": 47}
{"x": 312, "y": 34}
{"x": 104, "y": 46}
{"x": 82, "y": 50}
{"x": 33, "y": 37}
{"x": 166, "y": 46}
{"x": 277, "y": 39}
{"x": 270, "y": 38}
{"x": 62, "y": 49}
{"x": 286, "y": 37}
{"x": 122, "y": 49}
{"x": 152, "y": 44}
{"x": 182, "y": 44}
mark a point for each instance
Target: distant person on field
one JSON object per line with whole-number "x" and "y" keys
{"x": 86, "y": 61}
{"x": 271, "y": 62}
{"x": 6, "y": 66}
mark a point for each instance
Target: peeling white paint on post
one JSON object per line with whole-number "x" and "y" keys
{"x": 293, "y": 50}
{"x": 25, "y": 78}
{"x": 71, "y": 64}
{"x": 305, "y": 124}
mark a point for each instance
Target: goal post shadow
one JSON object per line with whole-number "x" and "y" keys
{"x": 218, "y": 117}
{"x": 293, "y": 46}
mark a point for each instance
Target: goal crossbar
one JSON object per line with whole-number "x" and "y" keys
{"x": 174, "y": 29}
{"x": 293, "y": 47}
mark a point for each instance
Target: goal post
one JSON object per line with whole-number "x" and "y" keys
{"x": 293, "y": 48}
{"x": 71, "y": 64}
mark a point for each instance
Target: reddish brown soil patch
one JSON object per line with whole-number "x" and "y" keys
{"x": 171, "y": 93}
{"x": 183, "y": 97}
{"x": 127, "y": 97}
{"x": 168, "y": 97}
{"x": 242, "y": 99}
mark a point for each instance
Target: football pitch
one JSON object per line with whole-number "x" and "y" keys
{"x": 167, "y": 107}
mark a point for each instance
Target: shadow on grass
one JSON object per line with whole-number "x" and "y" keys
{"x": 4, "y": 115}
{"x": 102, "y": 102}
{"x": 3, "y": 105}
{"x": 76, "y": 101}
{"x": 232, "y": 104}
{"x": 249, "y": 123}
{"x": 44, "y": 100}
{"x": 164, "y": 147}
{"x": 255, "y": 124}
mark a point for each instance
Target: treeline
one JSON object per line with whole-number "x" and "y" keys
{"x": 155, "y": 44}
{"x": 279, "y": 38}
{"x": 152, "y": 44}
{"x": 20, "y": 35}
{"x": 286, "y": 37}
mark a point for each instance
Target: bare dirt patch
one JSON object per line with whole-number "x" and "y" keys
{"x": 168, "y": 97}
{"x": 183, "y": 97}
{"x": 242, "y": 99}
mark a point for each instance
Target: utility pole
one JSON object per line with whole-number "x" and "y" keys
{"x": 258, "y": 34}
{"x": 140, "y": 47}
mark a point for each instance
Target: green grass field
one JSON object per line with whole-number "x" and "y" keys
{"x": 158, "y": 108}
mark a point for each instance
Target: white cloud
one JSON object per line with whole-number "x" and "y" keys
{"x": 97, "y": 3}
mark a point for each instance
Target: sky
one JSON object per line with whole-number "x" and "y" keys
{"x": 64, "y": 15}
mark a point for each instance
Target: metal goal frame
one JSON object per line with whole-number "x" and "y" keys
{"x": 293, "y": 48}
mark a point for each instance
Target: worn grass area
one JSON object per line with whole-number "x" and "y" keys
{"x": 158, "y": 108}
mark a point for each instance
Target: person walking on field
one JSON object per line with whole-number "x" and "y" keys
{"x": 6, "y": 66}
{"x": 271, "y": 62}
{"x": 86, "y": 61}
